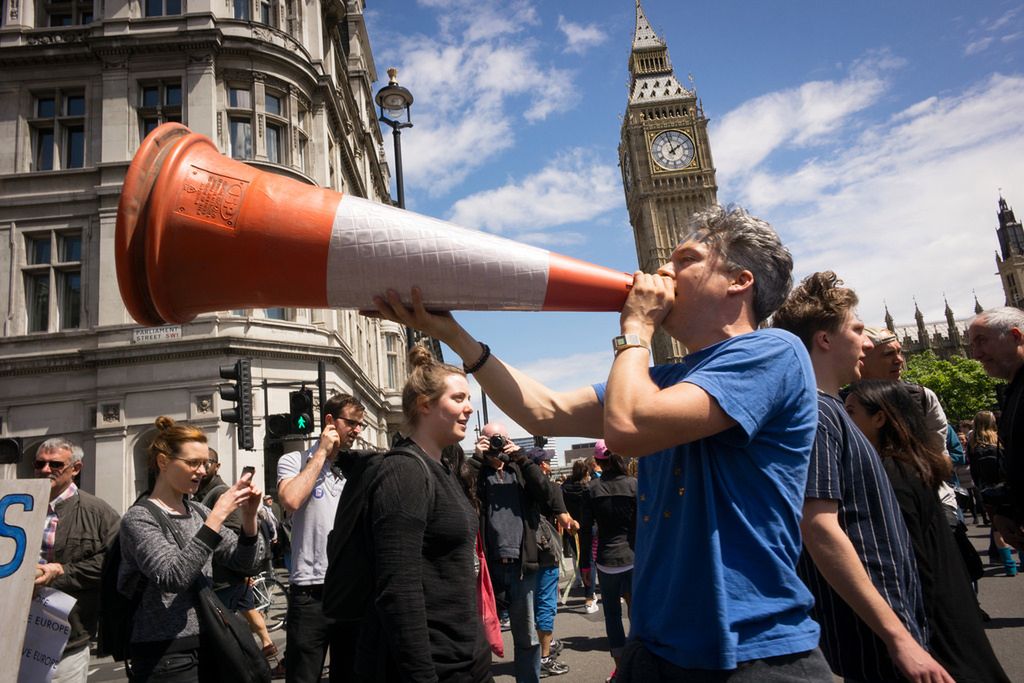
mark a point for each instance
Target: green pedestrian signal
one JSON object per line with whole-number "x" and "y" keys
{"x": 301, "y": 411}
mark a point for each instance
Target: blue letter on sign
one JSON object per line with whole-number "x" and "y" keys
{"x": 16, "y": 533}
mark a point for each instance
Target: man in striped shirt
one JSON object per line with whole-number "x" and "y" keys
{"x": 858, "y": 561}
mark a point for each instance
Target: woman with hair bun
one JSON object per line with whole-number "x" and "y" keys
{"x": 164, "y": 643}
{"x": 425, "y": 625}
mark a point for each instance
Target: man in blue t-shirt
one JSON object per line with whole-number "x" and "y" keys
{"x": 859, "y": 561}
{"x": 726, "y": 438}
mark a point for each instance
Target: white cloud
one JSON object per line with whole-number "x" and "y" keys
{"x": 907, "y": 208}
{"x": 580, "y": 37}
{"x": 471, "y": 82}
{"x": 798, "y": 116}
{"x": 987, "y": 31}
{"x": 571, "y": 188}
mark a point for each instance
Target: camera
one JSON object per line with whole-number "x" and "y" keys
{"x": 495, "y": 446}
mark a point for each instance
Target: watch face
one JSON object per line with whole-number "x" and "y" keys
{"x": 672, "y": 150}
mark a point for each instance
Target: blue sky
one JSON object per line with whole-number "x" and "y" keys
{"x": 874, "y": 136}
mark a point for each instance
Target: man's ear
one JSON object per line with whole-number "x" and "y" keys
{"x": 821, "y": 340}
{"x": 742, "y": 280}
{"x": 1017, "y": 335}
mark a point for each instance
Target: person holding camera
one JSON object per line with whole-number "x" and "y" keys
{"x": 512, "y": 491}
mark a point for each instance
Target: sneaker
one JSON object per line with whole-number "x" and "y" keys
{"x": 549, "y": 666}
{"x": 506, "y": 624}
{"x": 590, "y": 607}
{"x": 556, "y": 647}
{"x": 611, "y": 679}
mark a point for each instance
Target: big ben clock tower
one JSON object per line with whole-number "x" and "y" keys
{"x": 667, "y": 172}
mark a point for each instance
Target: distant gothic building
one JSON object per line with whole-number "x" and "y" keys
{"x": 665, "y": 156}
{"x": 1010, "y": 257}
{"x": 283, "y": 85}
{"x": 943, "y": 338}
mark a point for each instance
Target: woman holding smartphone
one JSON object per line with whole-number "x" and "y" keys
{"x": 164, "y": 644}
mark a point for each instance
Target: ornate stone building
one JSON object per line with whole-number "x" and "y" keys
{"x": 1010, "y": 257}
{"x": 665, "y": 156}
{"x": 944, "y": 338}
{"x": 285, "y": 86}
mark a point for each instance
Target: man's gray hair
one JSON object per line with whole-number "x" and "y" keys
{"x": 1001, "y": 319}
{"x": 59, "y": 443}
{"x": 745, "y": 242}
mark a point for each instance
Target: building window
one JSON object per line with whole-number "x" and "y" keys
{"x": 392, "y": 350}
{"x": 277, "y": 314}
{"x": 58, "y": 131}
{"x": 162, "y": 8}
{"x": 240, "y": 122}
{"x": 160, "y": 102}
{"x": 269, "y": 13}
{"x": 67, "y": 13}
{"x": 53, "y": 281}
{"x": 292, "y": 21}
{"x": 277, "y": 127}
{"x": 243, "y": 10}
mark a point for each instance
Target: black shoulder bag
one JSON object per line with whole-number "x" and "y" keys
{"x": 227, "y": 649}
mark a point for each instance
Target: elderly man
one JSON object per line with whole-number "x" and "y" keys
{"x": 79, "y": 529}
{"x": 997, "y": 340}
{"x": 726, "y": 438}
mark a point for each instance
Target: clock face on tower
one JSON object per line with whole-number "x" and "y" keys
{"x": 672, "y": 150}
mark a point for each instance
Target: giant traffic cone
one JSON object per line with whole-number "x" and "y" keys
{"x": 199, "y": 232}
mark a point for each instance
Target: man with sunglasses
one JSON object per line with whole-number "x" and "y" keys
{"x": 79, "y": 529}
{"x": 309, "y": 489}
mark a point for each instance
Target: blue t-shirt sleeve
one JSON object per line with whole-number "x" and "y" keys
{"x": 751, "y": 378}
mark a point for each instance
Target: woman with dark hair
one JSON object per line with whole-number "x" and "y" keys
{"x": 164, "y": 643}
{"x": 892, "y": 420}
{"x": 612, "y": 502}
{"x": 574, "y": 493}
{"x": 985, "y": 456}
{"x": 424, "y": 625}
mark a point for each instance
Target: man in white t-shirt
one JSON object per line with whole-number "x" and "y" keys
{"x": 309, "y": 488}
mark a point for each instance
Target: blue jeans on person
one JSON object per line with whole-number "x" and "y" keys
{"x": 545, "y": 600}
{"x": 614, "y": 587}
{"x": 519, "y": 591}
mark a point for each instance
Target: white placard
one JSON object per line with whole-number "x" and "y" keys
{"x": 23, "y": 505}
{"x": 46, "y": 635}
{"x": 142, "y": 335}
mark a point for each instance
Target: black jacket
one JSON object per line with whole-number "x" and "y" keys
{"x": 537, "y": 496}
{"x": 86, "y": 527}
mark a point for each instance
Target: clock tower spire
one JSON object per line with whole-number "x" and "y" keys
{"x": 665, "y": 156}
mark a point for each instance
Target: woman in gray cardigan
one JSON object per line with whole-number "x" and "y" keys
{"x": 165, "y": 636}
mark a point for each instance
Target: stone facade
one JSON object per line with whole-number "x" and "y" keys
{"x": 665, "y": 156}
{"x": 1010, "y": 257}
{"x": 285, "y": 86}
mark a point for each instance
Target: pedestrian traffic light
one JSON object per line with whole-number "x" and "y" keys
{"x": 301, "y": 411}
{"x": 10, "y": 450}
{"x": 279, "y": 425}
{"x": 240, "y": 393}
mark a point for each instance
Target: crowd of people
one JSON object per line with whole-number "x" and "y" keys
{"x": 779, "y": 506}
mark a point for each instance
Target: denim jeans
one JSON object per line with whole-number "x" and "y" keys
{"x": 545, "y": 600}
{"x": 614, "y": 587}
{"x": 519, "y": 595}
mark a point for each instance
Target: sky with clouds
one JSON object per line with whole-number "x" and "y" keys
{"x": 874, "y": 136}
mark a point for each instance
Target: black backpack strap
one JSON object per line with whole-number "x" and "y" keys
{"x": 415, "y": 455}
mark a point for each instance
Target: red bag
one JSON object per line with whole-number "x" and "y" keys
{"x": 485, "y": 603}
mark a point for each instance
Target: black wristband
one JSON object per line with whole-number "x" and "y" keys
{"x": 470, "y": 369}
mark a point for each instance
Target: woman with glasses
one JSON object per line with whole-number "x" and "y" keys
{"x": 424, "y": 625}
{"x": 164, "y": 643}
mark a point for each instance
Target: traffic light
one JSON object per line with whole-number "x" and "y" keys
{"x": 10, "y": 450}
{"x": 240, "y": 393}
{"x": 301, "y": 411}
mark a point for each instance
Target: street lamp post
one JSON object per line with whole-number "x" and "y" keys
{"x": 394, "y": 99}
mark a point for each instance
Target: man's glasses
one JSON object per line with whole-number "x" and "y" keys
{"x": 353, "y": 424}
{"x": 55, "y": 465}
{"x": 194, "y": 463}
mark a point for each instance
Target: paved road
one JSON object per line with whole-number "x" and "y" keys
{"x": 586, "y": 646}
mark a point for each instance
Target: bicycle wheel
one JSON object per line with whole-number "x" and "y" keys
{"x": 275, "y": 605}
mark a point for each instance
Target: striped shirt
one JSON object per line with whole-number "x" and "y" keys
{"x": 50, "y": 529}
{"x": 845, "y": 467}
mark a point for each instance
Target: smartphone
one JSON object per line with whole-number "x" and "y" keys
{"x": 250, "y": 470}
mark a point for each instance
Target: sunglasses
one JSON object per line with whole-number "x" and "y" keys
{"x": 55, "y": 465}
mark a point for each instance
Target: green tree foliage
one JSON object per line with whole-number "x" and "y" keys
{"x": 960, "y": 383}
